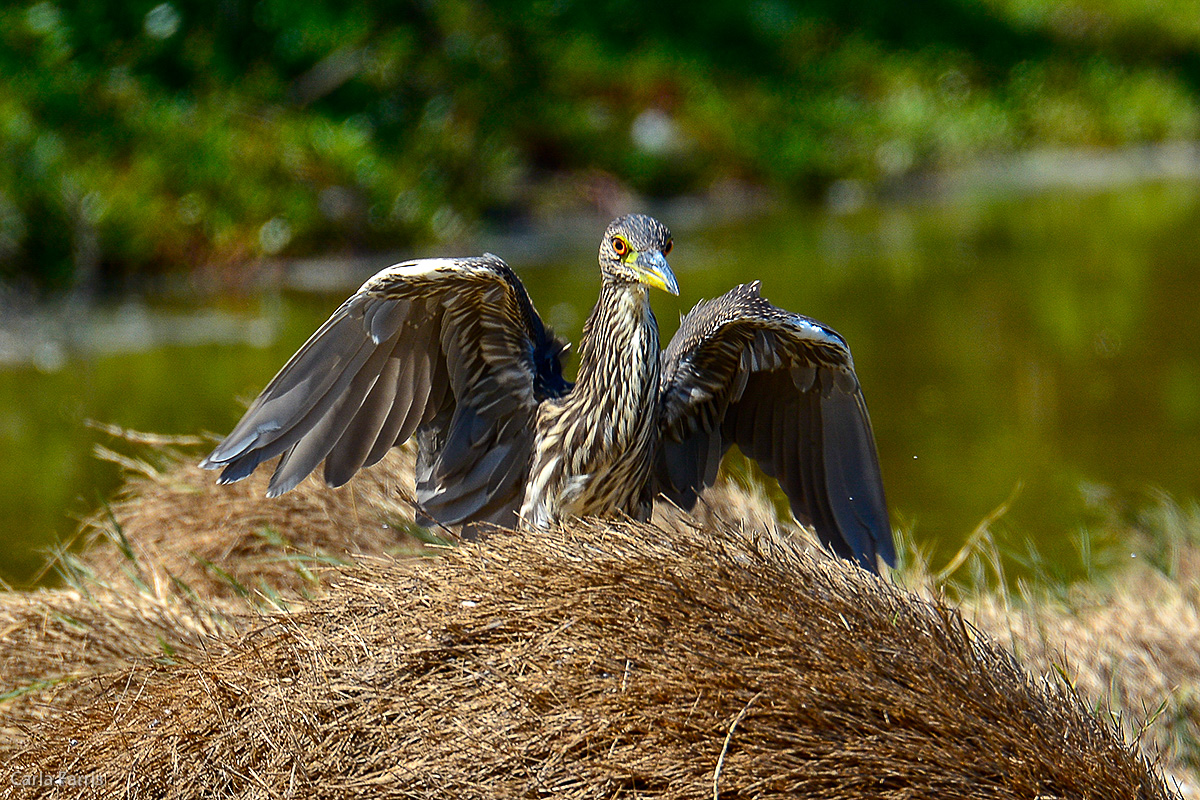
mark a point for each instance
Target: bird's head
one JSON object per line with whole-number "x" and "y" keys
{"x": 635, "y": 249}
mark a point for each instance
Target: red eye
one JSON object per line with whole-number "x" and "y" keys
{"x": 666, "y": 251}
{"x": 620, "y": 246}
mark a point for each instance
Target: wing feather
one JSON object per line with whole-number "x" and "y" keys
{"x": 782, "y": 388}
{"x": 451, "y": 347}
{"x": 350, "y": 453}
{"x": 340, "y": 409}
{"x": 302, "y": 394}
{"x": 398, "y": 374}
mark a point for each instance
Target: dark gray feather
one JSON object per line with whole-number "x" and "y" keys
{"x": 437, "y": 344}
{"x": 782, "y": 387}
{"x": 340, "y": 411}
{"x": 348, "y": 455}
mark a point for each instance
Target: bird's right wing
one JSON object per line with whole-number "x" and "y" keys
{"x": 450, "y": 349}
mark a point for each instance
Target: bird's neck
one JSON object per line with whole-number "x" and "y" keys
{"x": 619, "y": 349}
{"x": 596, "y": 446}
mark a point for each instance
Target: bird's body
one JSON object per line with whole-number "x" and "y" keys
{"x": 596, "y": 445}
{"x": 452, "y": 353}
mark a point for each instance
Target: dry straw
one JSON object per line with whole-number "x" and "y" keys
{"x": 678, "y": 659}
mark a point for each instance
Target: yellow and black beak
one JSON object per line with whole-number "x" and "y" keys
{"x": 651, "y": 268}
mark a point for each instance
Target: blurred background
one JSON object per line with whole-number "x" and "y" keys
{"x": 997, "y": 202}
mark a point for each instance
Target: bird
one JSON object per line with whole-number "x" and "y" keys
{"x": 451, "y": 352}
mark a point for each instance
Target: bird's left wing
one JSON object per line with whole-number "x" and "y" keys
{"x": 782, "y": 388}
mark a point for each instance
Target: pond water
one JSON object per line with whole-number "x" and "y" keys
{"x": 1042, "y": 348}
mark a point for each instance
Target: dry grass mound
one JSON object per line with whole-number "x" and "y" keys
{"x": 53, "y": 641}
{"x": 1130, "y": 642}
{"x": 173, "y": 527}
{"x": 564, "y": 663}
{"x": 1137, "y": 655}
{"x": 597, "y": 661}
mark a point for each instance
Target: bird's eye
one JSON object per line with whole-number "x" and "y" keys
{"x": 666, "y": 251}
{"x": 620, "y": 246}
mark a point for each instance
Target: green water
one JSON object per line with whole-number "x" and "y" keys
{"x": 1047, "y": 343}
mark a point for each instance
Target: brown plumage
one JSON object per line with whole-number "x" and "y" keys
{"x": 453, "y": 352}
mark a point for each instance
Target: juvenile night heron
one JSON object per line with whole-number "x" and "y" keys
{"x": 451, "y": 350}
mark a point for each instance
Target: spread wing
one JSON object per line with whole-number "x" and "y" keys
{"x": 782, "y": 388}
{"x": 449, "y": 349}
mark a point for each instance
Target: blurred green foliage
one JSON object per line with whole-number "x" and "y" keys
{"x": 138, "y": 138}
